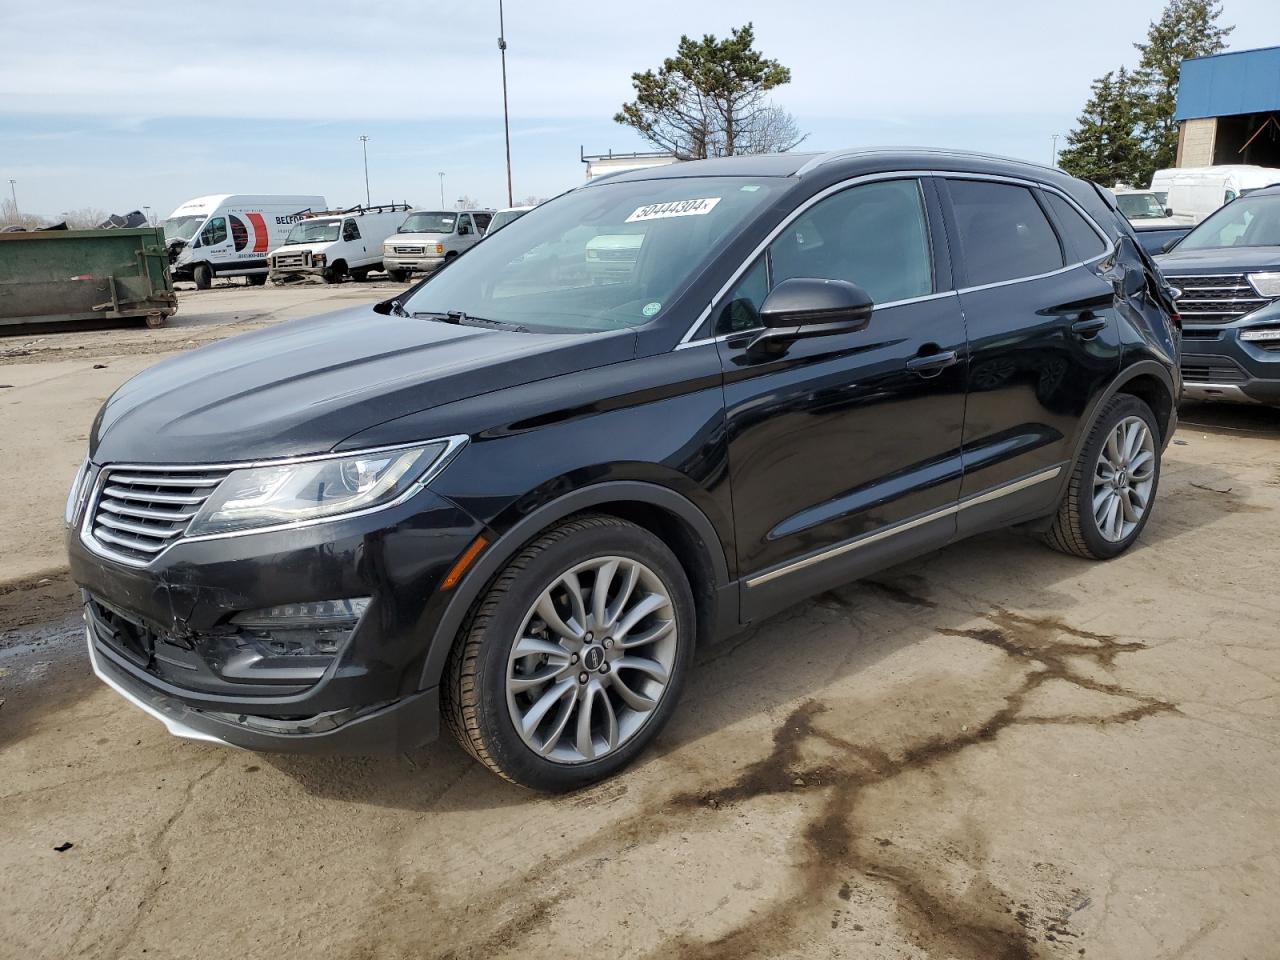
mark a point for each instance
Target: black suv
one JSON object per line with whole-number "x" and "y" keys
{"x": 1228, "y": 272}
{"x": 518, "y": 495}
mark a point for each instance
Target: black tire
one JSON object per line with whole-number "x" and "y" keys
{"x": 202, "y": 274}
{"x": 335, "y": 273}
{"x": 474, "y": 689}
{"x": 256, "y": 279}
{"x": 360, "y": 274}
{"x": 399, "y": 276}
{"x": 1075, "y": 530}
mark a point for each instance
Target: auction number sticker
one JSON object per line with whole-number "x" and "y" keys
{"x": 674, "y": 208}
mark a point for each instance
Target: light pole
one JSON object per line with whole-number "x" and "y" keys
{"x": 506, "y": 121}
{"x": 364, "y": 147}
{"x": 1053, "y": 156}
{"x": 13, "y": 192}
{"x": 148, "y": 212}
{"x": 441, "y": 189}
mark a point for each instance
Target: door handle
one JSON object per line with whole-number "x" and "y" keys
{"x": 931, "y": 364}
{"x": 1089, "y": 326}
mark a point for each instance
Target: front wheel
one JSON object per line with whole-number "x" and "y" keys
{"x": 335, "y": 273}
{"x": 1113, "y": 484}
{"x": 574, "y": 659}
{"x": 202, "y": 274}
{"x": 399, "y": 276}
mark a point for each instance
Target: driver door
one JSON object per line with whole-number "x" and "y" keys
{"x": 844, "y": 451}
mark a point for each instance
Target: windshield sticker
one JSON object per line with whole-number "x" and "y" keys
{"x": 674, "y": 208}
{"x": 651, "y": 308}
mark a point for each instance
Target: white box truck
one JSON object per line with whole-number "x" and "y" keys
{"x": 229, "y": 235}
{"x": 337, "y": 243}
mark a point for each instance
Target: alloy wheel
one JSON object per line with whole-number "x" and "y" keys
{"x": 592, "y": 660}
{"x": 1123, "y": 479}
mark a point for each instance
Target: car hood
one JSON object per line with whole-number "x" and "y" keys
{"x": 1220, "y": 260}
{"x": 303, "y": 387}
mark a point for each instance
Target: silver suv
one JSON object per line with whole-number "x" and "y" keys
{"x": 428, "y": 238}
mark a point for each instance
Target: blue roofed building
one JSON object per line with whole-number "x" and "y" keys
{"x": 1229, "y": 109}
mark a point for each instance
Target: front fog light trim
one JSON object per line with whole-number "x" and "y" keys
{"x": 311, "y": 613}
{"x": 1261, "y": 335}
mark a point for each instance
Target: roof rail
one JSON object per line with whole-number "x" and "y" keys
{"x": 834, "y": 155}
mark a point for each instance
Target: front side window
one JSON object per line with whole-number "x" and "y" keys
{"x": 1251, "y": 221}
{"x": 1003, "y": 232}
{"x": 875, "y": 235}
{"x": 350, "y": 231}
{"x": 602, "y": 257}
{"x": 215, "y": 232}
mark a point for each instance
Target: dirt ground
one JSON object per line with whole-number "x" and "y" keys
{"x": 993, "y": 752}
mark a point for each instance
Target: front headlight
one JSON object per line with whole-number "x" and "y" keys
{"x": 75, "y": 496}
{"x": 1267, "y": 284}
{"x": 284, "y": 494}
{"x": 319, "y": 259}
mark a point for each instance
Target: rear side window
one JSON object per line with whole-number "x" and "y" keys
{"x": 1003, "y": 232}
{"x": 1083, "y": 242}
{"x": 239, "y": 233}
{"x": 482, "y": 221}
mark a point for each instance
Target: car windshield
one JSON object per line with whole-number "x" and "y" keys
{"x": 503, "y": 217}
{"x": 182, "y": 228}
{"x": 1252, "y": 221}
{"x": 314, "y": 231}
{"x": 597, "y": 258}
{"x": 1140, "y": 206}
{"x": 429, "y": 223}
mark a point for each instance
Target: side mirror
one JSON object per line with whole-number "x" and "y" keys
{"x": 1169, "y": 244}
{"x": 804, "y": 307}
{"x": 463, "y": 230}
{"x": 1168, "y": 211}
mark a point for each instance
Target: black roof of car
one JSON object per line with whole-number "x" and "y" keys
{"x": 869, "y": 159}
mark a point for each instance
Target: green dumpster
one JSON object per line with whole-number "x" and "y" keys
{"x": 52, "y": 275}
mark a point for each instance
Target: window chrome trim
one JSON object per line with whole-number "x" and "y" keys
{"x": 875, "y": 536}
{"x": 453, "y": 446}
{"x": 688, "y": 341}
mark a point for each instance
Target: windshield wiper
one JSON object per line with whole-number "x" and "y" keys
{"x": 465, "y": 319}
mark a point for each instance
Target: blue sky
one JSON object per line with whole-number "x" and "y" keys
{"x": 124, "y": 104}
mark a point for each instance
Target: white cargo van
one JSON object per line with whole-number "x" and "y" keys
{"x": 337, "y": 243}
{"x": 1192, "y": 193}
{"x": 228, "y": 235}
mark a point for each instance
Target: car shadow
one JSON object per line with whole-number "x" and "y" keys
{"x": 798, "y": 653}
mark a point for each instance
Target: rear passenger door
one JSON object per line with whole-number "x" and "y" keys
{"x": 1043, "y": 339}
{"x": 844, "y": 451}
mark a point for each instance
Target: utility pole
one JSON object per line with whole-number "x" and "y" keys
{"x": 1053, "y": 157}
{"x": 506, "y": 120}
{"x": 13, "y": 192}
{"x": 441, "y": 189}
{"x": 364, "y": 146}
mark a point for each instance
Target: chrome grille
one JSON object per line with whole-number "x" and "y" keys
{"x": 141, "y": 510}
{"x": 1217, "y": 298}
{"x": 302, "y": 258}
{"x": 407, "y": 250}
{"x": 617, "y": 256}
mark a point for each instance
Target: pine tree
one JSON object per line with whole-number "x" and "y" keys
{"x": 1186, "y": 29}
{"x": 1105, "y": 145}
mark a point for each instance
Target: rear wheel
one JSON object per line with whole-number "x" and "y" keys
{"x": 202, "y": 274}
{"x": 1113, "y": 485}
{"x": 574, "y": 659}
